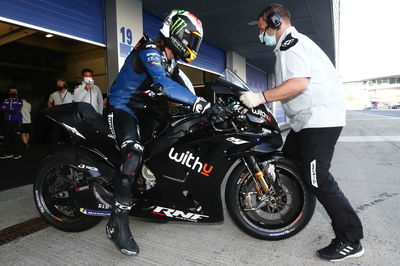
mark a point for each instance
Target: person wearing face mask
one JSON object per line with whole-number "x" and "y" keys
{"x": 313, "y": 98}
{"x": 61, "y": 95}
{"x": 11, "y": 108}
{"x": 89, "y": 92}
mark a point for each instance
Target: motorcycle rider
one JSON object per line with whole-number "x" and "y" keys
{"x": 150, "y": 64}
{"x": 311, "y": 94}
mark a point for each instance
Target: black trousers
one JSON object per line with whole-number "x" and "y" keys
{"x": 314, "y": 148}
{"x": 125, "y": 128}
{"x": 12, "y": 137}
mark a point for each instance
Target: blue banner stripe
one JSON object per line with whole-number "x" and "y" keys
{"x": 83, "y": 19}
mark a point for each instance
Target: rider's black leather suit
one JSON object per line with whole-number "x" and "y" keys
{"x": 145, "y": 66}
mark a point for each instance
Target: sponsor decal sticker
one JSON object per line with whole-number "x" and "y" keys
{"x": 313, "y": 171}
{"x": 187, "y": 159}
{"x": 179, "y": 25}
{"x": 82, "y": 166}
{"x": 39, "y": 202}
{"x": 236, "y": 141}
{"x": 95, "y": 212}
{"x": 260, "y": 112}
{"x": 163, "y": 211}
{"x": 154, "y": 63}
{"x": 153, "y": 58}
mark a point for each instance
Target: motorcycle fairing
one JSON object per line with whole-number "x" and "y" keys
{"x": 189, "y": 175}
{"x": 87, "y": 126}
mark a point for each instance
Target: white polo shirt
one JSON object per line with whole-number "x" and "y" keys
{"x": 58, "y": 98}
{"x": 92, "y": 96}
{"x": 26, "y": 112}
{"x": 323, "y": 103}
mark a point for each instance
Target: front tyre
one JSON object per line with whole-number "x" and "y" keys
{"x": 54, "y": 191}
{"x": 279, "y": 215}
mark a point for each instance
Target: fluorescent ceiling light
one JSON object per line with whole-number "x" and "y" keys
{"x": 49, "y": 35}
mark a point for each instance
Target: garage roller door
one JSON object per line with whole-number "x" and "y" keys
{"x": 81, "y": 20}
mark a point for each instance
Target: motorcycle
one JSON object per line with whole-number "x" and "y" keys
{"x": 187, "y": 156}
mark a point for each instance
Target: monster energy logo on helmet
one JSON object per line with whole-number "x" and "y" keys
{"x": 179, "y": 25}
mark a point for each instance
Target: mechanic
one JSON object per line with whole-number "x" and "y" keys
{"x": 312, "y": 96}
{"x": 151, "y": 64}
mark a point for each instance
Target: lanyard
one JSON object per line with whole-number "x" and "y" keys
{"x": 62, "y": 98}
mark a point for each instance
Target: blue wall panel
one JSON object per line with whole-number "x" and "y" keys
{"x": 83, "y": 19}
{"x": 209, "y": 57}
{"x": 279, "y": 113}
{"x": 256, "y": 79}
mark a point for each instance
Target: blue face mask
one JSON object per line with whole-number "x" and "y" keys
{"x": 266, "y": 39}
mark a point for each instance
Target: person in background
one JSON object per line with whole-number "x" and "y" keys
{"x": 89, "y": 92}
{"x": 11, "y": 108}
{"x": 26, "y": 122}
{"x": 61, "y": 95}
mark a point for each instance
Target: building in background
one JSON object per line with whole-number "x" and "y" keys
{"x": 375, "y": 93}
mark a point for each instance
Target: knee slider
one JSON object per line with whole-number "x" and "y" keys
{"x": 133, "y": 152}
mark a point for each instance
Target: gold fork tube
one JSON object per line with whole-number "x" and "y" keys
{"x": 260, "y": 177}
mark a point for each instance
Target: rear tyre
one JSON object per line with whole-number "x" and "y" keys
{"x": 54, "y": 191}
{"x": 288, "y": 209}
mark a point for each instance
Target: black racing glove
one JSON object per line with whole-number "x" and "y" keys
{"x": 201, "y": 105}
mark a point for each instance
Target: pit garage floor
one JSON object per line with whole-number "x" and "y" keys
{"x": 366, "y": 165}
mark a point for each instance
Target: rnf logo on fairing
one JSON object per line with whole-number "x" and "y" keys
{"x": 163, "y": 211}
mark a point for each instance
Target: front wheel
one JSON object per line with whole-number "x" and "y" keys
{"x": 280, "y": 214}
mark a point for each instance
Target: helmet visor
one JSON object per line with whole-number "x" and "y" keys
{"x": 193, "y": 40}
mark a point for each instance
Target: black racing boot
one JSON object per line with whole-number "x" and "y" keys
{"x": 118, "y": 231}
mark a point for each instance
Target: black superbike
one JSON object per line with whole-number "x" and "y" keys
{"x": 187, "y": 157}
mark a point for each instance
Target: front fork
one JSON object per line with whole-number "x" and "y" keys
{"x": 263, "y": 178}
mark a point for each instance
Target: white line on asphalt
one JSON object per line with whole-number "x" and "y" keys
{"x": 368, "y": 138}
{"x": 368, "y": 119}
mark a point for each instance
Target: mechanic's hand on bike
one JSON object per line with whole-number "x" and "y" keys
{"x": 251, "y": 99}
{"x": 236, "y": 108}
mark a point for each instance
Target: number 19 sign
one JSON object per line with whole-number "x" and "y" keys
{"x": 125, "y": 42}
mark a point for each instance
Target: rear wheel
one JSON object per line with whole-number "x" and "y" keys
{"x": 280, "y": 214}
{"x": 54, "y": 191}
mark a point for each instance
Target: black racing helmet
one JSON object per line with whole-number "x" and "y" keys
{"x": 183, "y": 33}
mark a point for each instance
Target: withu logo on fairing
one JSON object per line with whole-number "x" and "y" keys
{"x": 185, "y": 158}
{"x": 259, "y": 112}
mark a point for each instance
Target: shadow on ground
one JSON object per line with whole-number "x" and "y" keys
{"x": 15, "y": 173}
